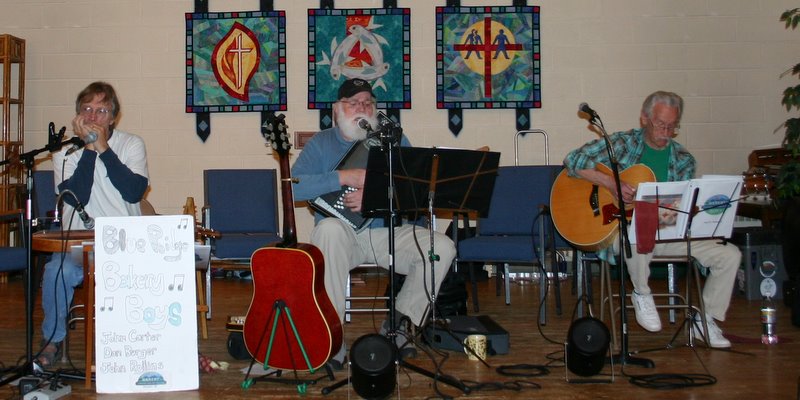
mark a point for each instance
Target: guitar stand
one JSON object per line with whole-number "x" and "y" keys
{"x": 278, "y": 308}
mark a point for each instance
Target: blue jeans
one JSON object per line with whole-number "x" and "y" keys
{"x": 58, "y": 286}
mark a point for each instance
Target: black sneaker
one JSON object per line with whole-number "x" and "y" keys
{"x": 339, "y": 359}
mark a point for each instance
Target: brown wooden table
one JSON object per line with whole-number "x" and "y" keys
{"x": 766, "y": 211}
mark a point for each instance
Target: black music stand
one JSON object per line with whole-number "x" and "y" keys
{"x": 427, "y": 179}
{"x": 454, "y": 180}
{"x": 691, "y": 210}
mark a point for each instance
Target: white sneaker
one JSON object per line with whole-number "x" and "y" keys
{"x": 715, "y": 337}
{"x": 645, "y": 309}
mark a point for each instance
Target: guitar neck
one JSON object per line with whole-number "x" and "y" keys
{"x": 289, "y": 230}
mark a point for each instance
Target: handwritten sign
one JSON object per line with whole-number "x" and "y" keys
{"x": 145, "y": 307}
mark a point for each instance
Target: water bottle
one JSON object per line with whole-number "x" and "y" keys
{"x": 768, "y": 317}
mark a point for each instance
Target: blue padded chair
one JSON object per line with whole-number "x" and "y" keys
{"x": 242, "y": 205}
{"x": 517, "y": 221}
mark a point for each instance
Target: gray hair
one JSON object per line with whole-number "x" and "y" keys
{"x": 661, "y": 97}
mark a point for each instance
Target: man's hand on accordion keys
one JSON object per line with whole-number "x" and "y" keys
{"x": 352, "y": 199}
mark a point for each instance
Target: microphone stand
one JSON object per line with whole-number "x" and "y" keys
{"x": 624, "y": 357}
{"x": 27, "y": 160}
{"x": 390, "y": 137}
{"x": 391, "y": 141}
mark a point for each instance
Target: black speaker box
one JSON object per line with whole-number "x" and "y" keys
{"x": 587, "y": 344}
{"x": 461, "y": 326}
{"x": 762, "y": 271}
{"x": 373, "y": 368}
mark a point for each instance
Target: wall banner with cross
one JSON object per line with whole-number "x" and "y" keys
{"x": 235, "y": 61}
{"x": 488, "y": 58}
{"x": 373, "y": 44}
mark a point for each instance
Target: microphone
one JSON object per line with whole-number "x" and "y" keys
{"x": 384, "y": 120}
{"x": 88, "y": 222}
{"x": 584, "y": 108}
{"x": 91, "y": 137}
{"x": 364, "y": 124}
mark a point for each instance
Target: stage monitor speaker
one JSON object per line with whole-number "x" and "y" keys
{"x": 587, "y": 344}
{"x": 373, "y": 368}
{"x": 762, "y": 271}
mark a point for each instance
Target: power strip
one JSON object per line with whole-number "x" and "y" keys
{"x": 46, "y": 394}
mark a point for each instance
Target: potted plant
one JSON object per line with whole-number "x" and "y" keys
{"x": 788, "y": 179}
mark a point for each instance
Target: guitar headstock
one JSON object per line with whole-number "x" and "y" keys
{"x": 276, "y": 133}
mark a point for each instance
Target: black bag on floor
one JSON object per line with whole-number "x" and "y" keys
{"x": 451, "y": 299}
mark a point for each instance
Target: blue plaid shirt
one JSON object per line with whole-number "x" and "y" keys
{"x": 628, "y": 147}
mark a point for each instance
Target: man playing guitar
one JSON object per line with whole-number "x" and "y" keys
{"x": 653, "y": 146}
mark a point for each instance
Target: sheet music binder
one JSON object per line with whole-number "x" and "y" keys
{"x": 715, "y": 209}
{"x": 332, "y": 204}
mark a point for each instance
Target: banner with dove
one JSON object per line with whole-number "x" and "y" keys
{"x": 371, "y": 44}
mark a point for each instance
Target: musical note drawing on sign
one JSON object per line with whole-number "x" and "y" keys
{"x": 108, "y": 304}
{"x": 177, "y": 283}
{"x": 184, "y": 222}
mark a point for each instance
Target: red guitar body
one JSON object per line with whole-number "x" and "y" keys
{"x": 295, "y": 277}
{"x": 288, "y": 285}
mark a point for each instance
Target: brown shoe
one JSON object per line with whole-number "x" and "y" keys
{"x": 49, "y": 354}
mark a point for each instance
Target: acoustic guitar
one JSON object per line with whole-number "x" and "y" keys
{"x": 584, "y": 213}
{"x": 291, "y": 323}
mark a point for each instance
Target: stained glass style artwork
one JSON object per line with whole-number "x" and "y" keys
{"x": 235, "y": 61}
{"x": 371, "y": 44}
{"x": 488, "y": 57}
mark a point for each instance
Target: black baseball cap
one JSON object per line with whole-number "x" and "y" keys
{"x": 352, "y": 87}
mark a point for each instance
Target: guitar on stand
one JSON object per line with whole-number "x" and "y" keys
{"x": 291, "y": 323}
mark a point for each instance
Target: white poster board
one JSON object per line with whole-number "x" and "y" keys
{"x": 715, "y": 207}
{"x": 145, "y": 304}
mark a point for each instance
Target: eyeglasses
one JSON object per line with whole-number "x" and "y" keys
{"x": 364, "y": 104}
{"x": 100, "y": 112}
{"x": 664, "y": 127}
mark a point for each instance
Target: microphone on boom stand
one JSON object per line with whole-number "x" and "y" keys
{"x": 624, "y": 357}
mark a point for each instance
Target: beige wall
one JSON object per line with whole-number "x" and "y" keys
{"x": 723, "y": 56}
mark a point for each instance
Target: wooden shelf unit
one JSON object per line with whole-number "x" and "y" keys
{"x": 12, "y": 142}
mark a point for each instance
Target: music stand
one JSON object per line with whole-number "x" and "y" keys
{"x": 720, "y": 208}
{"x": 427, "y": 179}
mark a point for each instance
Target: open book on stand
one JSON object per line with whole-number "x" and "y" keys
{"x": 714, "y": 208}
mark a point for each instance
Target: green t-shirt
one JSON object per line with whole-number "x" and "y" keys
{"x": 657, "y": 160}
